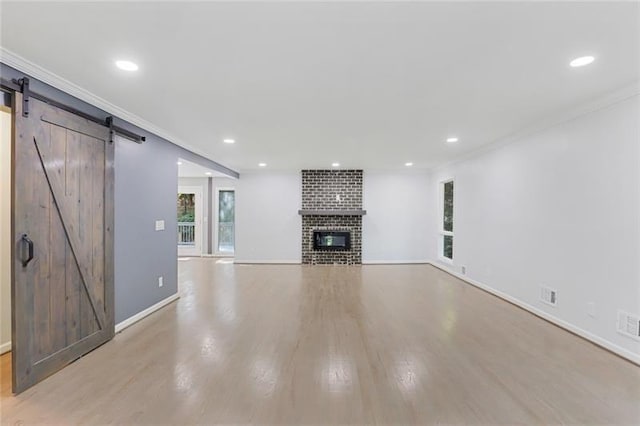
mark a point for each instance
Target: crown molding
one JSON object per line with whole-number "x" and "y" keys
{"x": 597, "y": 104}
{"x": 36, "y": 71}
{"x": 42, "y": 74}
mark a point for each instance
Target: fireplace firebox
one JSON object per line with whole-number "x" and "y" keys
{"x": 331, "y": 240}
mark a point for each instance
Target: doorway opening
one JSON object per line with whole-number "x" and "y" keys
{"x": 205, "y": 211}
{"x": 5, "y": 246}
{"x": 189, "y": 216}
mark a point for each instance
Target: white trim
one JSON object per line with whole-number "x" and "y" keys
{"x": 140, "y": 315}
{"x": 5, "y": 347}
{"x": 364, "y": 262}
{"x": 550, "y": 122}
{"x": 624, "y": 353}
{"x": 36, "y": 71}
{"x": 21, "y": 64}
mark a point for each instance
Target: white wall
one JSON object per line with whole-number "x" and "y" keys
{"x": 398, "y": 221}
{"x": 268, "y": 226}
{"x": 559, "y": 208}
{"x": 5, "y": 231}
{"x": 395, "y": 229}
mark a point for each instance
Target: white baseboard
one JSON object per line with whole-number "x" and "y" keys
{"x": 298, "y": 262}
{"x": 6, "y": 347}
{"x": 624, "y": 353}
{"x": 151, "y": 309}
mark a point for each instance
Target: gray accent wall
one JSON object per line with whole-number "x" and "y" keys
{"x": 146, "y": 185}
{"x": 145, "y": 191}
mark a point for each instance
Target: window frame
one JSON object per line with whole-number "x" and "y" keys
{"x": 441, "y": 231}
{"x": 216, "y": 230}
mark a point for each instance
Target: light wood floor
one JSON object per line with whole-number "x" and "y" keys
{"x": 327, "y": 345}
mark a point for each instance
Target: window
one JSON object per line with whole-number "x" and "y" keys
{"x": 226, "y": 221}
{"x": 446, "y": 224}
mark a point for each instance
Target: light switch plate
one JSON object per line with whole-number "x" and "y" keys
{"x": 159, "y": 225}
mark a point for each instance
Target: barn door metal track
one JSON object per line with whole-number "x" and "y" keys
{"x": 22, "y": 86}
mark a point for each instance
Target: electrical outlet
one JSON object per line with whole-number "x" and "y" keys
{"x": 591, "y": 309}
{"x": 160, "y": 281}
{"x": 463, "y": 270}
{"x": 159, "y": 225}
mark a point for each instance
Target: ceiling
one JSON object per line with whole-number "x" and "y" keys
{"x": 187, "y": 169}
{"x": 301, "y": 85}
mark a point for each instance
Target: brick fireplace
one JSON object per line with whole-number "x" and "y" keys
{"x": 331, "y": 203}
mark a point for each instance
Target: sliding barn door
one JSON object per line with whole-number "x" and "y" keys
{"x": 62, "y": 294}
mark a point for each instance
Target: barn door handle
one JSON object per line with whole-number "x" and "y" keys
{"x": 27, "y": 240}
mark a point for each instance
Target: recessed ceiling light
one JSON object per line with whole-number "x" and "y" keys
{"x": 229, "y": 141}
{"x": 127, "y": 65}
{"x": 409, "y": 164}
{"x": 262, "y": 164}
{"x": 582, "y": 61}
{"x": 179, "y": 163}
{"x": 452, "y": 139}
{"x": 335, "y": 164}
{"x": 208, "y": 173}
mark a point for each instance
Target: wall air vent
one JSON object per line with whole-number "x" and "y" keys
{"x": 549, "y": 296}
{"x": 629, "y": 325}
